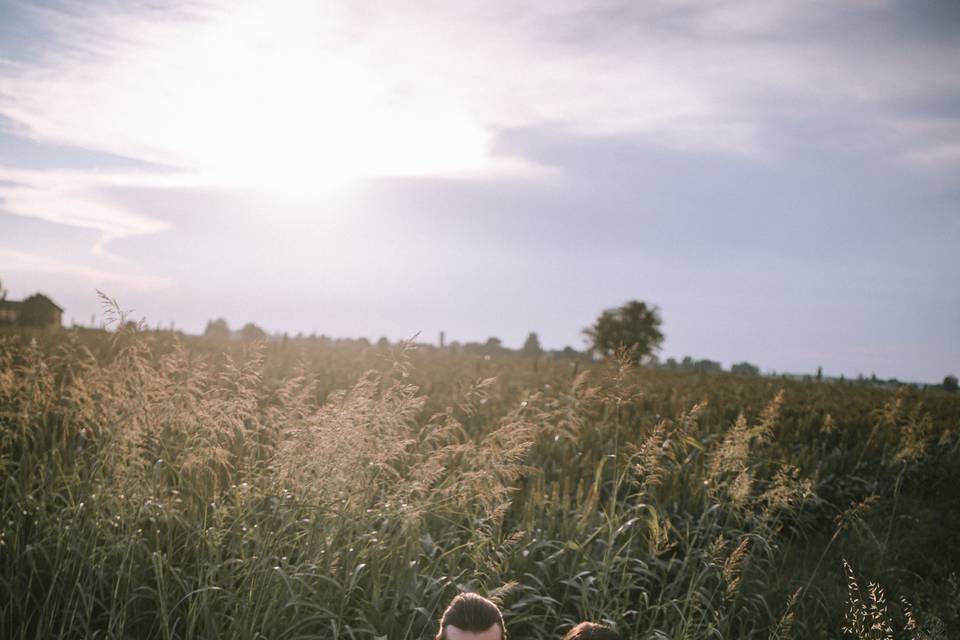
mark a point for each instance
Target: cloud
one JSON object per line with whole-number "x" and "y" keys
{"x": 931, "y": 144}
{"x": 18, "y": 261}
{"x": 296, "y": 95}
{"x": 936, "y": 155}
{"x": 239, "y": 96}
{"x": 77, "y": 198}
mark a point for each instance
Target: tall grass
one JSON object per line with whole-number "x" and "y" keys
{"x": 157, "y": 487}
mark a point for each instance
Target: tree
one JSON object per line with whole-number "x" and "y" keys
{"x": 217, "y": 329}
{"x": 708, "y": 366}
{"x": 569, "y": 353}
{"x": 492, "y": 346}
{"x": 634, "y": 325}
{"x": 252, "y": 332}
{"x": 532, "y": 346}
{"x": 950, "y": 383}
{"x": 745, "y": 369}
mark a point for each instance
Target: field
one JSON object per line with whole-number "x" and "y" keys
{"x": 157, "y": 486}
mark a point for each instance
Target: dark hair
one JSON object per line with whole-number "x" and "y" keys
{"x": 591, "y": 631}
{"x": 471, "y": 612}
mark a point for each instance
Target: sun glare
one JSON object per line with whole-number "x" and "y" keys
{"x": 298, "y": 117}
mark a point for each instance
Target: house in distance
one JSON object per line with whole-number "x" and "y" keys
{"x": 36, "y": 311}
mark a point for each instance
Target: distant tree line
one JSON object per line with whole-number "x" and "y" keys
{"x": 531, "y": 349}
{"x": 634, "y": 328}
{"x": 708, "y": 366}
{"x": 219, "y": 330}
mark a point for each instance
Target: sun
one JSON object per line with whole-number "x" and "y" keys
{"x": 299, "y": 117}
{"x": 290, "y": 98}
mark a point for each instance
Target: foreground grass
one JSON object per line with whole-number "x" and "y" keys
{"x": 161, "y": 488}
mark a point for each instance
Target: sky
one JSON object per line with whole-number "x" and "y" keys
{"x": 779, "y": 178}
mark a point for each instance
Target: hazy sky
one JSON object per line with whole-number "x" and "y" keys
{"x": 780, "y": 178}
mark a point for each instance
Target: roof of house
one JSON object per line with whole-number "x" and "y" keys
{"x": 47, "y": 300}
{"x": 16, "y": 304}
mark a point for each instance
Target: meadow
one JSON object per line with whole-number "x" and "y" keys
{"x": 162, "y": 486}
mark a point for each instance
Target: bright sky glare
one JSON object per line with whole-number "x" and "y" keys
{"x": 780, "y": 178}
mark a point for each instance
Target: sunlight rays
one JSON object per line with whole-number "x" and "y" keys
{"x": 242, "y": 99}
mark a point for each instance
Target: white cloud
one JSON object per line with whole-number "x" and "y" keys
{"x": 292, "y": 95}
{"x": 936, "y": 155}
{"x": 76, "y": 198}
{"x": 242, "y": 96}
{"x": 119, "y": 283}
{"x": 247, "y": 92}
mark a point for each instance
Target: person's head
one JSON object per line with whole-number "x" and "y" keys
{"x": 471, "y": 617}
{"x": 591, "y": 631}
